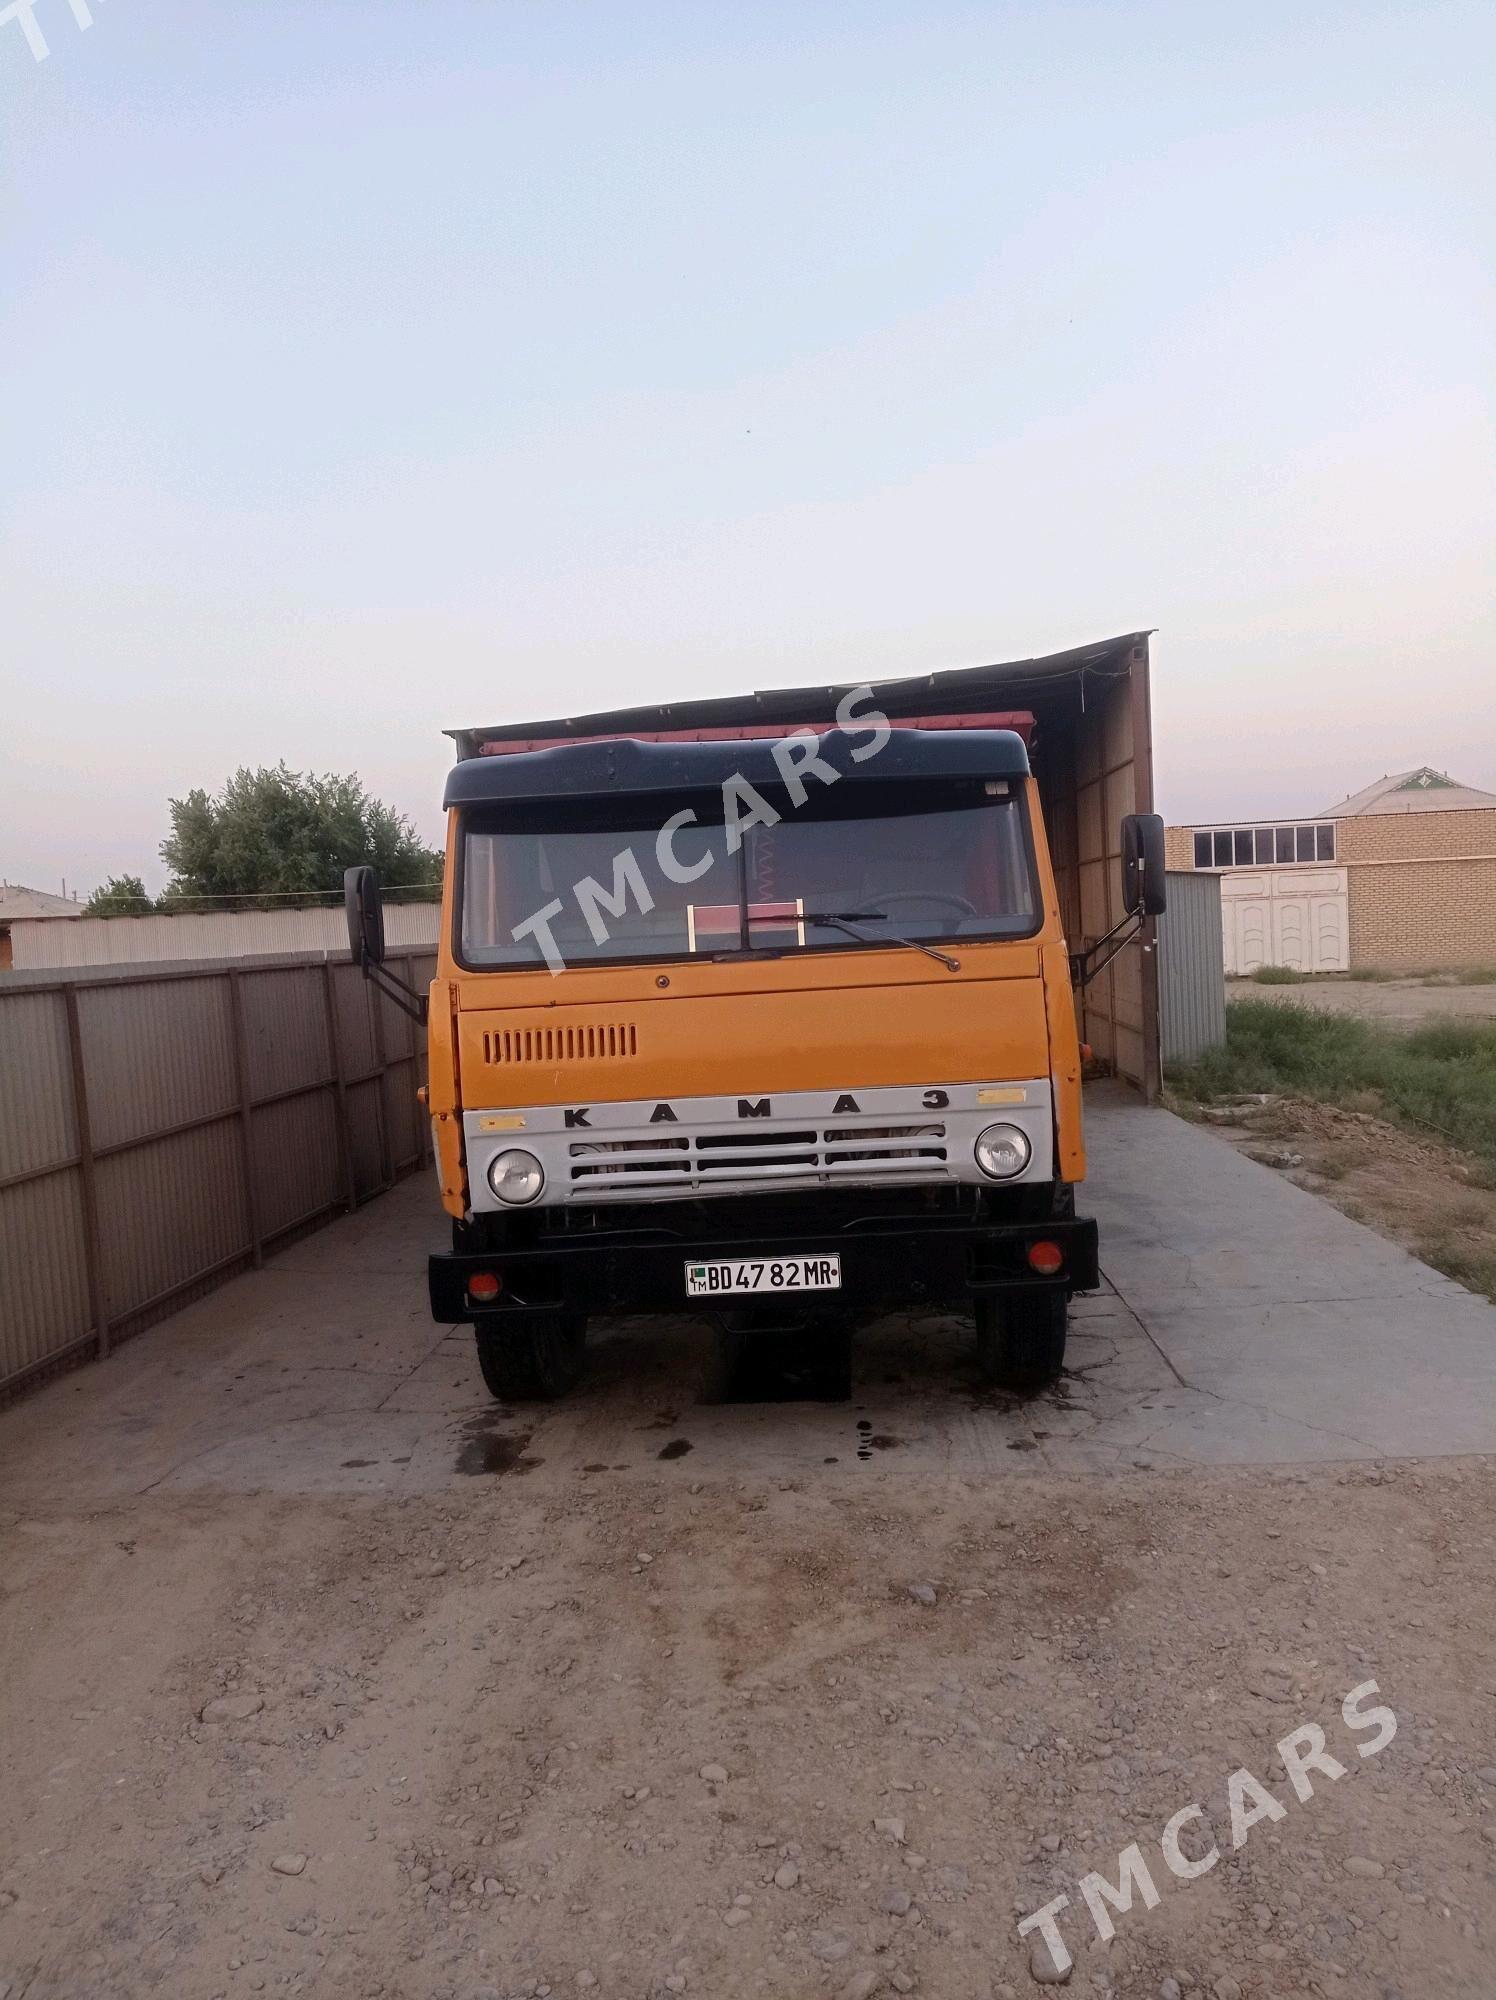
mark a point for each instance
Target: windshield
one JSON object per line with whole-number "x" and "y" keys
{"x": 866, "y": 864}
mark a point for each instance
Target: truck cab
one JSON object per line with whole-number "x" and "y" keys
{"x": 778, "y": 1030}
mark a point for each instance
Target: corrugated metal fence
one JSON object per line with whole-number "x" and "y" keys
{"x": 1191, "y": 974}
{"x": 161, "y": 1129}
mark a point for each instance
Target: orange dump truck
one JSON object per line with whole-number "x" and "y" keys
{"x": 772, "y": 1019}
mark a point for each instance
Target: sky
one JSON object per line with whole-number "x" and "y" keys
{"x": 372, "y": 369}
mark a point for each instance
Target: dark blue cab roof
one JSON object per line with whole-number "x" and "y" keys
{"x": 591, "y": 767}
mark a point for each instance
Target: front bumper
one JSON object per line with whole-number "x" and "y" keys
{"x": 884, "y": 1265}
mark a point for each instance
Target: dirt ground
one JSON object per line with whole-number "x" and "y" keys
{"x": 1404, "y": 1003}
{"x": 565, "y": 1732}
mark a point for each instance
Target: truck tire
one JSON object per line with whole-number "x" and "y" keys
{"x": 1021, "y": 1338}
{"x": 531, "y": 1360}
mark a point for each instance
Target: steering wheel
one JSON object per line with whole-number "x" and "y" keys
{"x": 959, "y": 904}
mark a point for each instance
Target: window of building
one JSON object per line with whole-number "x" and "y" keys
{"x": 1263, "y": 846}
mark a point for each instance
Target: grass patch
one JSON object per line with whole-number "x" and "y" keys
{"x": 1278, "y": 975}
{"x": 1473, "y": 1268}
{"x": 1441, "y": 1078}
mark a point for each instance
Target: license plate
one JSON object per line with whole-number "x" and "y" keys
{"x": 763, "y": 1274}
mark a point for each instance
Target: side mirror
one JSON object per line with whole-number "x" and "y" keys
{"x": 365, "y": 908}
{"x": 1144, "y": 892}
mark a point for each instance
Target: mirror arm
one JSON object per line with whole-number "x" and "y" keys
{"x": 1084, "y": 965}
{"x": 406, "y": 997}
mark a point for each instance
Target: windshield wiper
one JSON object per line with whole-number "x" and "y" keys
{"x": 847, "y": 920}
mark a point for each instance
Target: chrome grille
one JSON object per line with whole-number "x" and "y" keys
{"x": 799, "y": 1154}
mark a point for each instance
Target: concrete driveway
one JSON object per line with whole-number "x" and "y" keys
{"x": 1244, "y": 1322}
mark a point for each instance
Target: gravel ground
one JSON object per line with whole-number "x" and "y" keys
{"x": 565, "y": 1731}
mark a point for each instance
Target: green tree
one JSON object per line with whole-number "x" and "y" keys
{"x": 120, "y": 896}
{"x": 279, "y": 834}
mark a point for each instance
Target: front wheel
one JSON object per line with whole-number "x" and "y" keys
{"x": 531, "y": 1360}
{"x": 1021, "y": 1337}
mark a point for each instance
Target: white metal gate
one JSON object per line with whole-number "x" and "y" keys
{"x": 1297, "y": 917}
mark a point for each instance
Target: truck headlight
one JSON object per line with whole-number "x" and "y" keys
{"x": 515, "y": 1176}
{"x": 1002, "y": 1151}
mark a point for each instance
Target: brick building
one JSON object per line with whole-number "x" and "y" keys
{"x": 1400, "y": 877}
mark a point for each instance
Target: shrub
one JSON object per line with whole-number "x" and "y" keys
{"x": 1441, "y": 1078}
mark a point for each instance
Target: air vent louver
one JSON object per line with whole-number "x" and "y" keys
{"x": 584, "y": 1041}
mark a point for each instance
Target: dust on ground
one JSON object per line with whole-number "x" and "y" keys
{"x": 562, "y": 1732}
